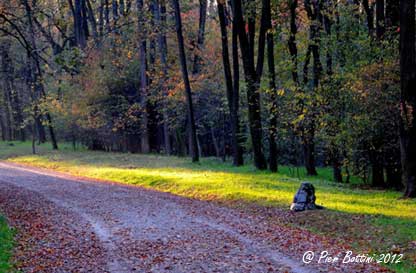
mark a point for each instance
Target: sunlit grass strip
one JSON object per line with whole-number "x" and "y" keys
{"x": 222, "y": 184}
{"x": 6, "y": 246}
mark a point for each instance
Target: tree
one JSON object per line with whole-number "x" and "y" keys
{"x": 201, "y": 36}
{"x": 231, "y": 91}
{"x": 368, "y": 8}
{"x": 314, "y": 12}
{"x": 252, "y": 74}
{"x": 380, "y": 19}
{"x": 273, "y": 153}
{"x": 293, "y": 4}
{"x": 80, "y": 22}
{"x": 188, "y": 92}
{"x": 37, "y": 73}
{"x": 160, "y": 17}
{"x": 145, "y": 146}
{"x": 11, "y": 100}
{"x": 408, "y": 95}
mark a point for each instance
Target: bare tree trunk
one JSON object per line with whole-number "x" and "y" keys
{"x": 40, "y": 129}
{"x": 328, "y": 22}
{"x": 215, "y": 141}
{"x": 145, "y": 146}
{"x": 230, "y": 88}
{"x": 182, "y": 57}
{"x": 337, "y": 174}
{"x": 293, "y": 4}
{"x": 238, "y": 150}
{"x": 160, "y": 18}
{"x": 8, "y": 112}
{"x": 368, "y": 8}
{"x": 252, "y": 77}
{"x": 33, "y": 138}
{"x": 380, "y": 19}
{"x": 393, "y": 14}
{"x": 408, "y": 95}
{"x": 91, "y": 19}
{"x": 7, "y": 81}
{"x": 313, "y": 10}
{"x": 2, "y": 128}
{"x": 201, "y": 36}
{"x": 79, "y": 24}
{"x": 273, "y": 153}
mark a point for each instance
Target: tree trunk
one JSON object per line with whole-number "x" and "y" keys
{"x": 33, "y": 138}
{"x": 40, "y": 129}
{"x": 315, "y": 16}
{"x": 188, "y": 92}
{"x": 7, "y": 80}
{"x": 79, "y": 27}
{"x": 380, "y": 19}
{"x": 393, "y": 177}
{"x": 201, "y": 36}
{"x": 392, "y": 14}
{"x": 272, "y": 86}
{"x": 309, "y": 152}
{"x": 337, "y": 172}
{"x": 144, "y": 139}
{"x": 408, "y": 95}
{"x": 107, "y": 15}
{"x": 377, "y": 174}
{"x": 8, "y": 112}
{"x": 197, "y": 58}
{"x": 38, "y": 78}
{"x": 370, "y": 16}
{"x": 2, "y": 128}
{"x": 377, "y": 161}
{"x": 91, "y": 19}
{"x": 215, "y": 142}
{"x": 328, "y": 22}
{"x": 252, "y": 79}
{"x": 51, "y": 132}
{"x": 237, "y": 157}
{"x": 163, "y": 50}
{"x": 293, "y": 4}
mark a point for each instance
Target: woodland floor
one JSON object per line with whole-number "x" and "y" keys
{"x": 87, "y": 226}
{"x": 70, "y": 224}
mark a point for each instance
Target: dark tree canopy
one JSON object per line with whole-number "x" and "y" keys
{"x": 313, "y": 83}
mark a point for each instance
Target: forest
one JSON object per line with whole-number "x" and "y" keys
{"x": 312, "y": 83}
{"x": 207, "y": 136}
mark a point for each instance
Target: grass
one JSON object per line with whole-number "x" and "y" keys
{"x": 377, "y": 221}
{"x": 6, "y": 246}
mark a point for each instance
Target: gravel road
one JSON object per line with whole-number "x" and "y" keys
{"x": 69, "y": 224}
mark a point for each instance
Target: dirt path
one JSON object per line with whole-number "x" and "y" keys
{"x": 79, "y": 225}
